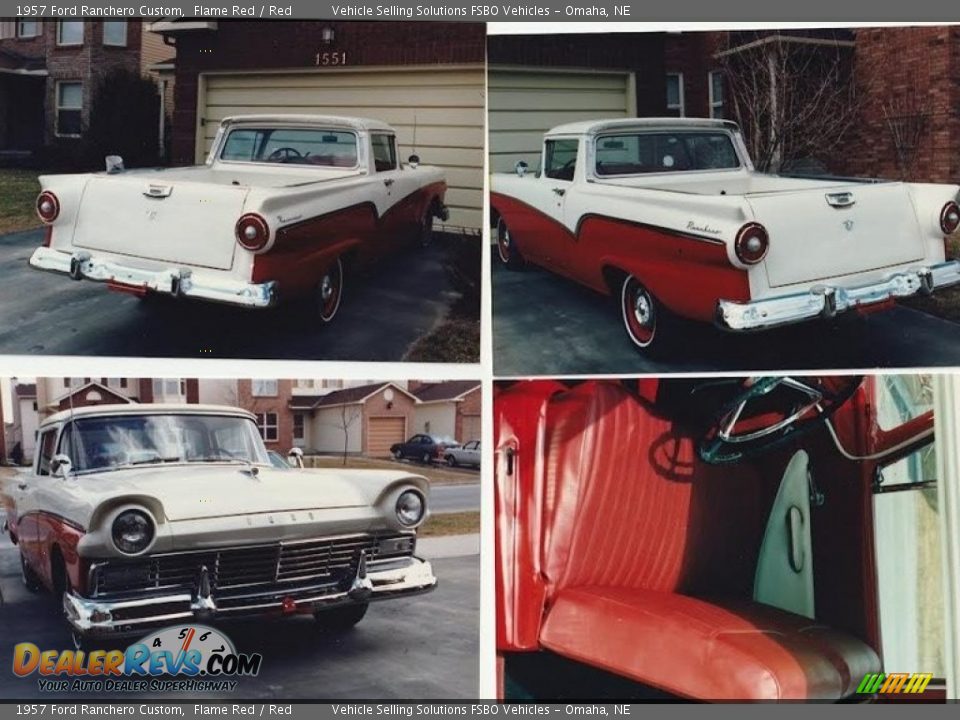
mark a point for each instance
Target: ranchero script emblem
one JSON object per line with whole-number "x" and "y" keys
{"x": 691, "y": 225}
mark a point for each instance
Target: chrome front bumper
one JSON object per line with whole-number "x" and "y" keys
{"x": 375, "y": 580}
{"x": 179, "y": 282}
{"x": 827, "y": 301}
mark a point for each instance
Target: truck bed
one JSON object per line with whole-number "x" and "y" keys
{"x": 242, "y": 176}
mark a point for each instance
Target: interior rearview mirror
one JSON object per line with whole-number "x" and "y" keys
{"x": 60, "y": 466}
{"x": 521, "y": 167}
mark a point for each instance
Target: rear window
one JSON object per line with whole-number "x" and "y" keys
{"x": 639, "y": 153}
{"x": 291, "y": 146}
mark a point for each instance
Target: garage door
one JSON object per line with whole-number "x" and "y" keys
{"x": 471, "y": 428}
{"x": 444, "y": 108}
{"x": 524, "y": 104}
{"x": 383, "y": 432}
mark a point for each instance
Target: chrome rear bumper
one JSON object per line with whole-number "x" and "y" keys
{"x": 374, "y": 580}
{"x": 179, "y": 282}
{"x": 827, "y": 301}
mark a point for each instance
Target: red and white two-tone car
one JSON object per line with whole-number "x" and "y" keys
{"x": 284, "y": 205}
{"x": 670, "y": 217}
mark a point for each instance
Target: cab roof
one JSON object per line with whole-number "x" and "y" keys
{"x": 144, "y": 409}
{"x": 342, "y": 121}
{"x": 590, "y": 127}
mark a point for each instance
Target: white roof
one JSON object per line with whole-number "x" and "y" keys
{"x": 354, "y": 123}
{"x": 588, "y": 127}
{"x": 144, "y": 409}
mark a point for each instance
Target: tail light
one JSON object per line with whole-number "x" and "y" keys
{"x": 752, "y": 243}
{"x": 950, "y": 218}
{"x": 253, "y": 233}
{"x": 48, "y": 206}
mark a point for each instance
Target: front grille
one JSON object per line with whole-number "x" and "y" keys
{"x": 258, "y": 568}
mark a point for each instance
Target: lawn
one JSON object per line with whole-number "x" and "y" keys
{"x": 18, "y": 191}
{"x": 462, "y": 523}
{"x": 436, "y": 474}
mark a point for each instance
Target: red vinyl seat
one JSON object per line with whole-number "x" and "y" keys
{"x": 649, "y": 556}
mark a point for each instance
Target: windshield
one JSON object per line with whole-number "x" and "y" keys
{"x": 292, "y": 146}
{"x": 99, "y": 443}
{"x": 638, "y": 153}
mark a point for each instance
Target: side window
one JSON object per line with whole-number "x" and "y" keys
{"x": 384, "y": 152}
{"x": 45, "y": 451}
{"x": 561, "y": 159}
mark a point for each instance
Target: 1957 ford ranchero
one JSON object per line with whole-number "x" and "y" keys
{"x": 670, "y": 217}
{"x": 138, "y": 516}
{"x": 283, "y": 207}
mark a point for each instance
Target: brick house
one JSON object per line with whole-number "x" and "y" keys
{"x": 449, "y": 409}
{"x": 48, "y": 70}
{"x": 426, "y": 79}
{"x": 908, "y": 80}
{"x": 269, "y": 399}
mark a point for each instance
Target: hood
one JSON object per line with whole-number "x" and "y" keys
{"x": 189, "y": 492}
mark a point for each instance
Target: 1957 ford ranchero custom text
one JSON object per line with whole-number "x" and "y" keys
{"x": 283, "y": 207}
{"x": 670, "y": 217}
{"x": 138, "y": 516}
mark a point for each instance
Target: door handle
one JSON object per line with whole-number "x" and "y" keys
{"x": 388, "y": 183}
{"x": 560, "y": 191}
{"x": 22, "y": 486}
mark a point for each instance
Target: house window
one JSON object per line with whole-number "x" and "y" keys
{"x": 384, "y": 152}
{"x": 69, "y": 108}
{"x": 115, "y": 33}
{"x": 298, "y": 426}
{"x": 717, "y": 95}
{"x": 70, "y": 32}
{"x": 331, "y": 384}
{"x": 28, "y": 28}
{"x": 675, "y": 106}
{"x": 169, "y": 387}
{"x": 267, "y": 425}
{"x": 263, "y": 388}
{"x": 123, "y": 382}
{"x": 307, "y": 384}
{"x": 73, "y": 382}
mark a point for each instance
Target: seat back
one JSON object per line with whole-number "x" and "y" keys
{"x": 628, "y": 504}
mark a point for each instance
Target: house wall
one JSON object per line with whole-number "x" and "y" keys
{"x": 279, "y": 404}
{"x": 252, "y": 45}
{"x": 213, "y": 391}
{"x": 377, "y": 406}
{"x": 325, "y": 430}
{"x": 469, "y": 410}
{"x": 904, "y": 70}
{"x": 29, "y": 422}
{"x": 438, "y": 418}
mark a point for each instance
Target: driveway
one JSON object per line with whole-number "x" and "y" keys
{"x": 384, "y": 313}
{"x": 545, "y": 325}
{"x": 423, "y": 647}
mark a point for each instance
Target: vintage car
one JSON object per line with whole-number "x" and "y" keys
{"x": 669, "y": 217}
{"x": 719, "y": 539}
{"x": 284, "y": 206}
{"x": 466, "y": 454}
{"x": 143, "y": 515}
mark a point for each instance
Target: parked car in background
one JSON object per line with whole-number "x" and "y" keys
{"x": 136, "y": 516}
{"x": 468, "y": 454}
{"x": 283, "y": 208}
{"x": 670, "y": 218}
{"x": 425, "y": 448}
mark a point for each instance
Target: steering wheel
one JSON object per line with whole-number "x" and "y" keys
{"x": 767, "y": 411}
{"x": 284, "y": 154}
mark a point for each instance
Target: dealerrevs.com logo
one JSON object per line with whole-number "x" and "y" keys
{"x": 177, "y": 659}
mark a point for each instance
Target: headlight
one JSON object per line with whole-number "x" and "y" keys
{"x": 132, "y": 532}
{"x": 410, "y": 508}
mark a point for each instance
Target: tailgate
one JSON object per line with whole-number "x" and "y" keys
{"x": 186, "y": 223}
{"x": 818, "y": 234}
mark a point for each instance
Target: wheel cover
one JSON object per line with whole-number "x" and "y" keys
{"x": 639, "y": 312}
{"x": 330, "y": 289}
{"x": 504, "y": 242}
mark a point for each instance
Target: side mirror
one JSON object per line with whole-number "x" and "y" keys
{"x": 521, "y": 168}
{"x": 114, "y": 164}
{"x": 60, "y": 466}
{"x": 295, "y": 457}
{"x": 414, "y": 161}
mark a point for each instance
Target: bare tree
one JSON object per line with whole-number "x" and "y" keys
{"x": 349, "y": 415}
{"x": 795, "y": 97}
{"x": 907, "y": 117}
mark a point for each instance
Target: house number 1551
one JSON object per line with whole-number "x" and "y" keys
{"x": 331, "y": 58}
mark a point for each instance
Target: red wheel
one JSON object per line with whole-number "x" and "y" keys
{"x": 639, "y": 310}
{"x": 330, "y": 291}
